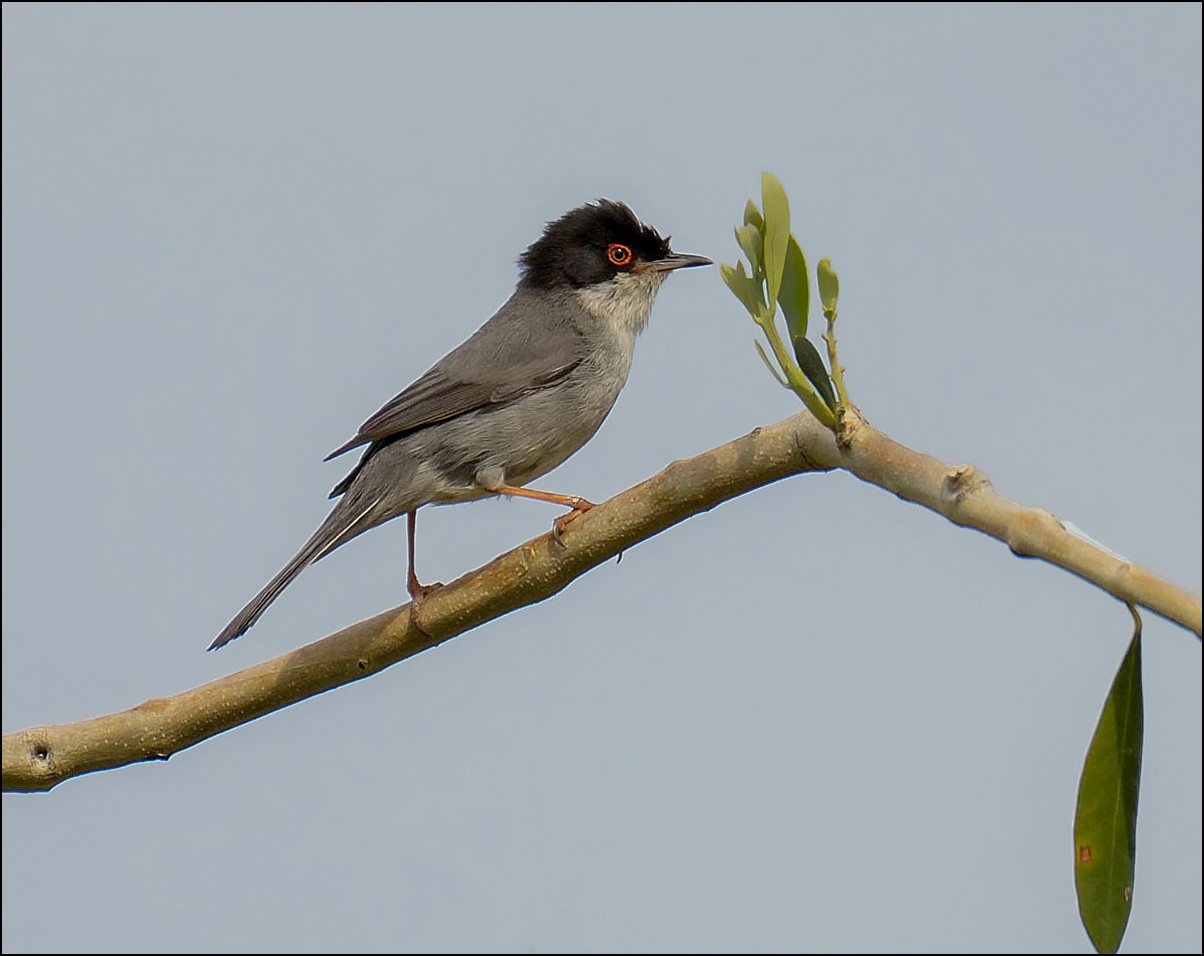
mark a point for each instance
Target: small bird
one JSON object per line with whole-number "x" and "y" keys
{"x": 517, "y": 398}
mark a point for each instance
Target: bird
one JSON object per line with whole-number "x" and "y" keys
{"x": 510, "y": 403}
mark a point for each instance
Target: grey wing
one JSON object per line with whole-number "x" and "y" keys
{"x": 523, "y": 348}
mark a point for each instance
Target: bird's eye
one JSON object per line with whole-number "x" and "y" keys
{"x": 618, "y": 254}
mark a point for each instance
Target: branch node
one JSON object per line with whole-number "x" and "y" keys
{"x": 962, "y": 481}
{"x": 848, "y": 422}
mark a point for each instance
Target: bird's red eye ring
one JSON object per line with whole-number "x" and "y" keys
{"x": 618, "y": 254}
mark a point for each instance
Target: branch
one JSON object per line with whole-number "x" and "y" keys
{"x": 965, "y": 496}
{"x": 39, "y": 758}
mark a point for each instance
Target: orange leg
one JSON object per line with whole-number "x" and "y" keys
{"x": 579, "y": 505}
{"x": 417, "y": 591}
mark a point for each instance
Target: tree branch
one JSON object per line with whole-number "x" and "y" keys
{"x": 39, "y": 758}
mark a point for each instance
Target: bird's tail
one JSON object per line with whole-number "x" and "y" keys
{"x": 344, "y": 522}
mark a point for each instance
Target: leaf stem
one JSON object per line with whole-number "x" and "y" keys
{"x": 794, "y": 375}
{"x": 842, "y": 393}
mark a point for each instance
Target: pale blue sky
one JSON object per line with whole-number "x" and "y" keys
{"x": 814, "y": 719}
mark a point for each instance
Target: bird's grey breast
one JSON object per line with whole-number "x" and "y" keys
{"x": 545, "y": 426}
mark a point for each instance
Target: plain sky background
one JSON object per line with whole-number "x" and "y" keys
{"x": 814, "y": 719}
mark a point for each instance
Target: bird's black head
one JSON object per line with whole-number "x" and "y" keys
{"x": 593, "y": 244}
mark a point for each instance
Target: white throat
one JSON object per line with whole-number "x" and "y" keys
{"x": 624, "y": 303}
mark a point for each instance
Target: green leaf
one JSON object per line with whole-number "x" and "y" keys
{"x": 795, "y": 295}
{"x": 749, "y": 238}
{"x": 769, "y": 365}
{"x": 752, "y": 216}
{"x": 829, "y": 285}
{"x": 813, "y": 367}
{"x": 1105, "y": 821}
{"x": 776, "y": 231}
{"x": 744, "y": 287}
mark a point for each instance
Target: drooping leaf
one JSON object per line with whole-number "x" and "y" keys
{"x": 813, "y": 367}
{"x": 776, "y": 231}
{"x": 795, "y": 294}
{"x": 829, "y": 285}
{"x": 769, "y": 365}
{"x": 752, "y": 215}
{"x": 749, "y": 238}
{"x": 744, "y": 287}
{"x": 1105, "y": 820}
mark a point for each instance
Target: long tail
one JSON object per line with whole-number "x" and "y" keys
{"x": 343, "y": 523}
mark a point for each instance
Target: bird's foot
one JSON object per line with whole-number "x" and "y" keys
{"x": 580, "y": 507}
{"x": 418, "y": 594}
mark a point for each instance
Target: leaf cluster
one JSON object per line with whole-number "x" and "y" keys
{"x": 778, "y": 278}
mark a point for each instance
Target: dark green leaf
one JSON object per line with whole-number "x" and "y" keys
{"x": 776, "y": 231}
{"x": 795, "y": 295}
{"x": 829, "y": 285}
{"x": 813, "y": 367}
{"x": 744, "y": 288}
{"x": 1105, "y": 821}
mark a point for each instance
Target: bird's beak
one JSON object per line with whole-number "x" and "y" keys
{"x": 677, "y": 260}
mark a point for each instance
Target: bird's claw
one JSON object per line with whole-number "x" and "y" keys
{"x": 580, "y": 507}
{"x": 418, "y": 594}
